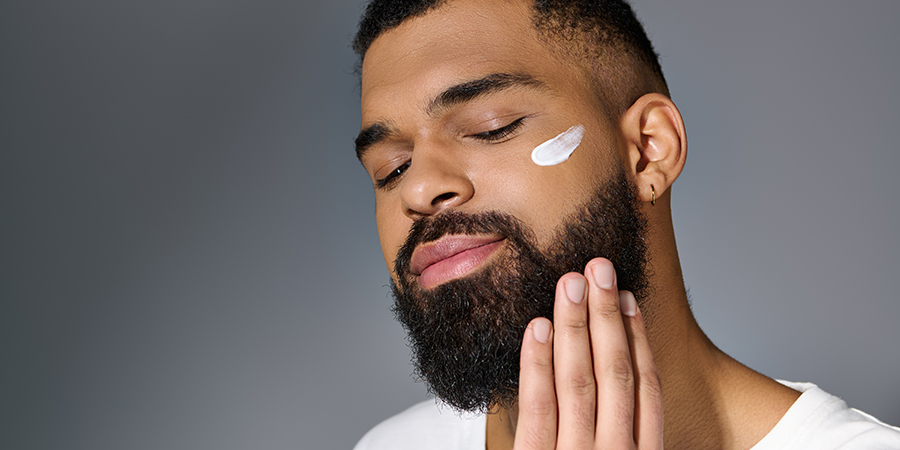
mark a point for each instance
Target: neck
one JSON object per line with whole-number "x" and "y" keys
{"x": 710, "y": 401}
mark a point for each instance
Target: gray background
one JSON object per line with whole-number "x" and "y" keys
{"x": 189, "y": 258}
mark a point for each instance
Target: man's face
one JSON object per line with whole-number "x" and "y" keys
{"x": 444, "y": 149}
{"x": 474, "y": 233}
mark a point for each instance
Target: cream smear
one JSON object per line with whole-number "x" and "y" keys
{"x": 558, "y": 149}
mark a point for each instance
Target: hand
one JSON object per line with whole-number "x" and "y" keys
{"x": 588, "y": 380}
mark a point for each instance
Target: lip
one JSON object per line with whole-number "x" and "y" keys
{"x": 451, "y": 257}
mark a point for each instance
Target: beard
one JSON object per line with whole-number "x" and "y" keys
{"x": 466, "y": 334}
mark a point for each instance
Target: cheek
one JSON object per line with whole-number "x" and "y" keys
{"x": 543, "y": 197}
{"x": 540, "y": 197}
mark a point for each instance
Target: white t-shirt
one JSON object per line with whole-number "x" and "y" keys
{"x": 817, "y": 420}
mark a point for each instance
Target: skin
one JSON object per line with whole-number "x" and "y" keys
{"x": 596, "y": 378}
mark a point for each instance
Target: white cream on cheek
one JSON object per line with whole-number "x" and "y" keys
{"x": 558, "y": 149}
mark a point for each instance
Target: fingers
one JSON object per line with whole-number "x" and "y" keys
{"x": 589, "y": 379}
{"x": 648, "y": 427}
{"x": 576, "y": 387}
{"x": 536, "y": 425}
{"x": 612, "y": 361}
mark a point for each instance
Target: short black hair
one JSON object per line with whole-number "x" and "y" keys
{"x": 606, "y": 33}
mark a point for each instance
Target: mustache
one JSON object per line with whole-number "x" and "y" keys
{"x": 430, "y": 229}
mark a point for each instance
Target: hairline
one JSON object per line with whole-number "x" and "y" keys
{"x": 646, "y": 76}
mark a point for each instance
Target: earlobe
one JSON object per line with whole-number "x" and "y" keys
{"x": 656, "y": 144}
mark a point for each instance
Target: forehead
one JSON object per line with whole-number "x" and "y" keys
{"x": 459, "y": 41}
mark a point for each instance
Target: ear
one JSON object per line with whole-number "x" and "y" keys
{"x": 656, "y": 144}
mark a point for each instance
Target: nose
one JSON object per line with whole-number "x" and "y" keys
{"x": 434, "y": 182}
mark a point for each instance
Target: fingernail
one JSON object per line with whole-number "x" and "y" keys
{"x": 574, "y": 289}
{"x": 604, "y": 275}
{"x": 627, "y": 303}
{"x": 541, "y": 331}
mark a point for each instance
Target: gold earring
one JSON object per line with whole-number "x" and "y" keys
{"x": 653, "y": 199}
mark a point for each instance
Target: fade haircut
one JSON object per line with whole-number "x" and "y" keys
{"x": 604, "y": 36}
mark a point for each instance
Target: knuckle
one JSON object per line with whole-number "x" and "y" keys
{"x": 619, "y": 371}
{"x": 575, "y": 325}
{"x": 608, "y": 310}
{"x": 541, "y": 409}
{"x": 651, "y": 387}
{"x": 533, "y": 358}
{"x": 581, "y": 385}
{"x": 543, "y": 363}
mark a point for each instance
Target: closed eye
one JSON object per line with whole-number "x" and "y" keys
{"x": 499, "y": 133}
{"x": 391, "y": 178}
{"x": 488, "y": 136}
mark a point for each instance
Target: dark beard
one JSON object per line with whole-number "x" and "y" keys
{"x": 466, "y": 334}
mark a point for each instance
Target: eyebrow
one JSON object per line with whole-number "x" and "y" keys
{"x": 450, "y": 97}
{"x": 471, "y": 90}
{"x": 371, "y": 135}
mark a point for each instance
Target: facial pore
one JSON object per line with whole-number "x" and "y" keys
{"x": 466, "y": 334}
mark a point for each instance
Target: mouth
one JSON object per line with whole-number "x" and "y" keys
{"x": 451, "y": 257}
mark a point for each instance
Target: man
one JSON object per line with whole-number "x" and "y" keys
{"x": 522, "y": 154}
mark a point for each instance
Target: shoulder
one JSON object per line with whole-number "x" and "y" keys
{"x": 426, "y": 425}
{"x": 819, "y": 420}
